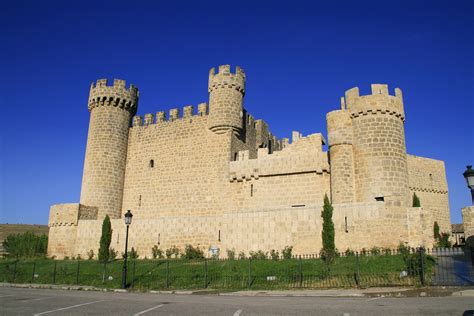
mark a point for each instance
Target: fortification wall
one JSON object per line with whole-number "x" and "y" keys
{"x": 295, "y": 176}
{"x": 63, "y": 219}
{"x": 368, "y": 225}
{"x": 427, "y": 178}
{"x": 420, "y": 227}
{"x": 468, "y": 223}
{"x": 175, "y": 167}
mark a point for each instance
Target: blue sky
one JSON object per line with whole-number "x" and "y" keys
{"x": 299, "y": 57}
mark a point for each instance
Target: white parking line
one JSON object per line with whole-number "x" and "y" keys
{"x": 37, "y": 299}
{"x": 147, "y": 310}
{"x": 5, "y": 295}
{"x": 237, "y": 313}
{"x": 373, "y": 298}
{"x": 64, "y": 308}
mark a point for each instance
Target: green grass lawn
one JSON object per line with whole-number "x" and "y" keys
{"x": 345, "y": 272}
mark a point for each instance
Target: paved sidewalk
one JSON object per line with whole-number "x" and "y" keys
{"x": 369, "y": 292}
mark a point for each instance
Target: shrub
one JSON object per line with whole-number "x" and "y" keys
{"x": 387, "y": 251}
{"x": 26, "y": 245}
{"x": 413, "y": 260}
{"x": 112, "y": 254}
{"x": 156, "y": 252}
{"x": 328, "y": 253}
{"x": 133, "y": 254}
{"x": 192, "y": 253}
{"x": 105, "y": 239}
{"x": 375, "y": 251}
{"x": 403, "y": 249}
{"x": 231, "y": 254}
{"x": 258, "y": 255}
{"x": 242, "y": 255}
{"x": 90, "y": 254}
{"x": 274, "y": 254}
{"x": 172, "y": 251}
{"x": 443, "y": 241}
{"x": 349, "y": 252}
{"x": 416, "y": 201}
{"x": 287, "y": 252}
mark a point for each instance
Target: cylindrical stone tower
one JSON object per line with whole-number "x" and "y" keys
{"x": 112, "y": 108}
{"x": 341, "y": 157}
{"x": 226, "y": 93}
{"x": 380, "y": 160}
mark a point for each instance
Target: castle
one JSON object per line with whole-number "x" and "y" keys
{"x": 219, "y": 178}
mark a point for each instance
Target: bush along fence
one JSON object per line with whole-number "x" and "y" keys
{"x": 405, "y": 267}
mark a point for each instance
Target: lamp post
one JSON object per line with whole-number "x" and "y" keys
{"x": 128, "y": 221}
{"x": 469, "y": 176}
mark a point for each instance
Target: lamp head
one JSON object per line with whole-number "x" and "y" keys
{"x": 469, "y": 176}
{"x": 128, "y": 217}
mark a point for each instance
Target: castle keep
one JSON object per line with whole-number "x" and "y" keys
{"x": 217, "y": 177}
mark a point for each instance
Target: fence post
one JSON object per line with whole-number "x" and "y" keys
{"x": 133, "y": 274}
{"x": 357, "y": 270}
{"x": 54, "y": 271}
{"x": 34, "y": 270}
{"x": 14, "y": 271}
{"x": 205, "y": 273}
{"x": 77, "y": 272}
{"x": 300, "y": 271}
{"x": 167, "y": 273}
{"x": 250, "y": 273}
{"x": 472, "y": 255}
{"x": 422, "y": 266}
{"x": 104, "y": 272}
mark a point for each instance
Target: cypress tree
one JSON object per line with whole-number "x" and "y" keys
{"x": 105, "y": 239}
{"x": 329, "y": 247}
{"x": 416, "y": 201}
{"x": 436, "y": 231}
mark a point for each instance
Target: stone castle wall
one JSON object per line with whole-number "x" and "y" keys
{"x": 220, "y": 178}
{"x": 427, "y": 178}
{"x": 175, "y": 167}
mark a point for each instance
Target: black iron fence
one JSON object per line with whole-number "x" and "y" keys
{"x": 409, "y": 267}
{"x": 454, "y": 266}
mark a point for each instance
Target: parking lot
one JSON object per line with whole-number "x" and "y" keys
{"x": 25, "y": 301}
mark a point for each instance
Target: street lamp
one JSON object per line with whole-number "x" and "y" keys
{"x": 128, "y": 221}
{"x": 469, "y": 176}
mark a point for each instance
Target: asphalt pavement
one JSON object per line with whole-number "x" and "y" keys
{"x": 26, "y": 301}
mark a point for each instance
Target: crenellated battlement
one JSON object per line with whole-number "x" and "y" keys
{"x": 117, "y": 95}
{"x": 225, "y": 79}
{"x": 379, "y": 101}
{"x": 173, "y": 115}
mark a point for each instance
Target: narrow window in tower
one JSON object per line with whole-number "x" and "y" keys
{"x": 140, "y": 200}
{"x": 235, "y": 156}
{"x": 345, "y": 223}
{"x": 219, "y": 237}
{"x": 379, "y": 198}
{"x": 152, "y": 163}
{"x": 118, "y": 237}
{"x": 159, "y": 235}
{"x": 251, "y": 190}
